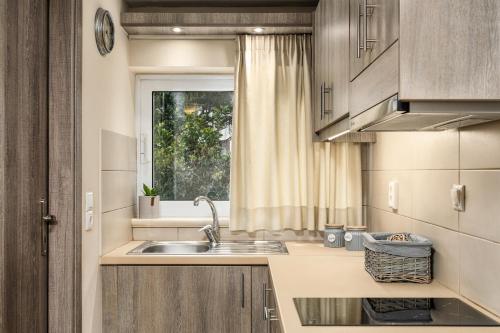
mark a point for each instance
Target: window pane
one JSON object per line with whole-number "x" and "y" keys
{"x": 191, "y": 144}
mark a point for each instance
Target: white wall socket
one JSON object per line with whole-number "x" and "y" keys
{"x": 457, "y": 193}
{"x": 89, "y": 211}
{"x": 393, "y": 194}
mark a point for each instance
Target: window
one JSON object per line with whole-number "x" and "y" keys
{"x": 185, "y": 137}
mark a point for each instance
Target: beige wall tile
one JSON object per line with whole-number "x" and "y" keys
{"x": 286, "y": 235}
{"x": 431, "y": 197}
{"x": 480, "y": 146}
{"x": 446, "y": 252}
{"x": 436, "y": 150}
{"x": 118, "y": 152}
{"x": 116, "y": 228}
{"x": 157, "y": 234}
{"x": 377, "y": 190}
{"x": 380, "y": 220}
{"x": 190, "y": 234}
{"x": 225, "y": 233}
{"x": 118, "y": 189}
{"x": 479, "y": 271}
{"x": 482, "y": 204}
{"x": 392, "y": 151}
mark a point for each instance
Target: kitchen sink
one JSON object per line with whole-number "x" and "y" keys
{"x": 205, "y": 248}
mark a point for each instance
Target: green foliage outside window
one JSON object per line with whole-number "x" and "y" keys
{"x": 191, "y": 144}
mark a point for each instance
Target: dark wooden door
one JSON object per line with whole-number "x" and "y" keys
{"x": 23, "y": 164}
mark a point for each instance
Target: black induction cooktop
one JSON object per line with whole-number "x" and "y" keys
{"x": 389, "y": 312}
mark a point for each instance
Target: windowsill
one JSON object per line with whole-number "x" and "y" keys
{"x": 177, "y": 222}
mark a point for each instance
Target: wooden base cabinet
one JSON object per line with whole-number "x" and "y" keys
{"x": 187, "y": 299}
{"x": 176, "y": 299}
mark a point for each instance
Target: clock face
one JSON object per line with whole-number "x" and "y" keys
{"x": 104, "y": 31}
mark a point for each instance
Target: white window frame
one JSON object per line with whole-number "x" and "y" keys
{"x": 145, "y": 85}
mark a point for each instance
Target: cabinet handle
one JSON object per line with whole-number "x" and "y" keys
{"x": 265, "y": 290}
{"x": 243, "y": 290}
{"x": 358, "y": 33}
{"x": 321, "y": 102}
{"x": 323, "y": 110}
{"x": 367, "y": 13}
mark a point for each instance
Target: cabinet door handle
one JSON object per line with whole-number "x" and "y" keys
{"x": 321, "y": 101}
{"x": 324, "y": 110}
{"x": 243, "y": 290}
{"x": 358, "y": 33}
{"x": 365, "y": 24}
{"x": 367, "y": 13}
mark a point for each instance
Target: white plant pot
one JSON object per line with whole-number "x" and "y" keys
{"x": 149, "y": 207}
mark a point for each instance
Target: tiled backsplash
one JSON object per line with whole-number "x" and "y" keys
{"x": 118, "y": 188}
{"x": 467, "y": 244}
{"x": 192, "y": 234}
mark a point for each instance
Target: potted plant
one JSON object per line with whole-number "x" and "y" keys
{"x": 149, "y": 203}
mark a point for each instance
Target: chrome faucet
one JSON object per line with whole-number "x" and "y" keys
{"x": 211, "y": 230}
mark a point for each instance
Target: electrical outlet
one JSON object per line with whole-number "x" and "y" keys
{"x": 89, "y": 211}
{"x": 393, "y": 194}
{"x": 457, "y": 193}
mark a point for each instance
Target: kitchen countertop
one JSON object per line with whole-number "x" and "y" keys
{"x": 342, "y": 274}
{"x": 323, "y": 272}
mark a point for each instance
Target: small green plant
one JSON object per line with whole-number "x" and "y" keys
{"x": 149, "y": 191}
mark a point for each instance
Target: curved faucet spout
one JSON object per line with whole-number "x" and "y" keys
{"x": 215, "y": 217}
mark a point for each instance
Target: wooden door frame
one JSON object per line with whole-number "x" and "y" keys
{"x": 65, "y": 166}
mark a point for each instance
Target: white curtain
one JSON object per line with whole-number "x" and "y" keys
{"x": 279, "y": 178}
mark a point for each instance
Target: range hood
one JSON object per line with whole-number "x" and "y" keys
{"x": 395, "y": 115}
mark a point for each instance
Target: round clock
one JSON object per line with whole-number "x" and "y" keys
{"x": 104, "y": 31}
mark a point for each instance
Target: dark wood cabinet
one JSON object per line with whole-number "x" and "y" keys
{"x": 186, "y": 299}
{"x": 177, "y": 299}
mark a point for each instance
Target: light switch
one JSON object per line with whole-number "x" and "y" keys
{"x": 393, "y": 194}
{"x": 457, "y": 193}
{"x": 89, "y": 201}
{"x": 89, "y": 211}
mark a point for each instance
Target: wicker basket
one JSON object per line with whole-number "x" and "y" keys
{"x": 398, "y": 261}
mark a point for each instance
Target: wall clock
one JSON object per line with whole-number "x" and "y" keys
{"x": 104, "y": 31}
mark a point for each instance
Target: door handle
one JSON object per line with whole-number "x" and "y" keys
{"x": 46, "y": 221}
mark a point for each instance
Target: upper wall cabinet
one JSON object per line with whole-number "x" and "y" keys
{"x": 450, "y": 49}
{"x": 331, "y": 58}
{"x": 374, "y": 26}
{"x": 423, "y": 65}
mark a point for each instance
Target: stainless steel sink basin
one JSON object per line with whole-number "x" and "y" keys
{"x": 177, "y": 248}
{"x": 205, "y": 248}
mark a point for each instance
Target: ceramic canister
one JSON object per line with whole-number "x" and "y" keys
{"x": 354, "y": 238}
{"x": 334, "y": 235}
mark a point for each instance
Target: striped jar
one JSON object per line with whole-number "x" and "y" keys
{"x": 354, "y": 238}
{"x": 334, "y": 235}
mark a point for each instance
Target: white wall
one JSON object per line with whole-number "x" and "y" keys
{"x": 182, "y": 56}
{"x": 107, "y": 103}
